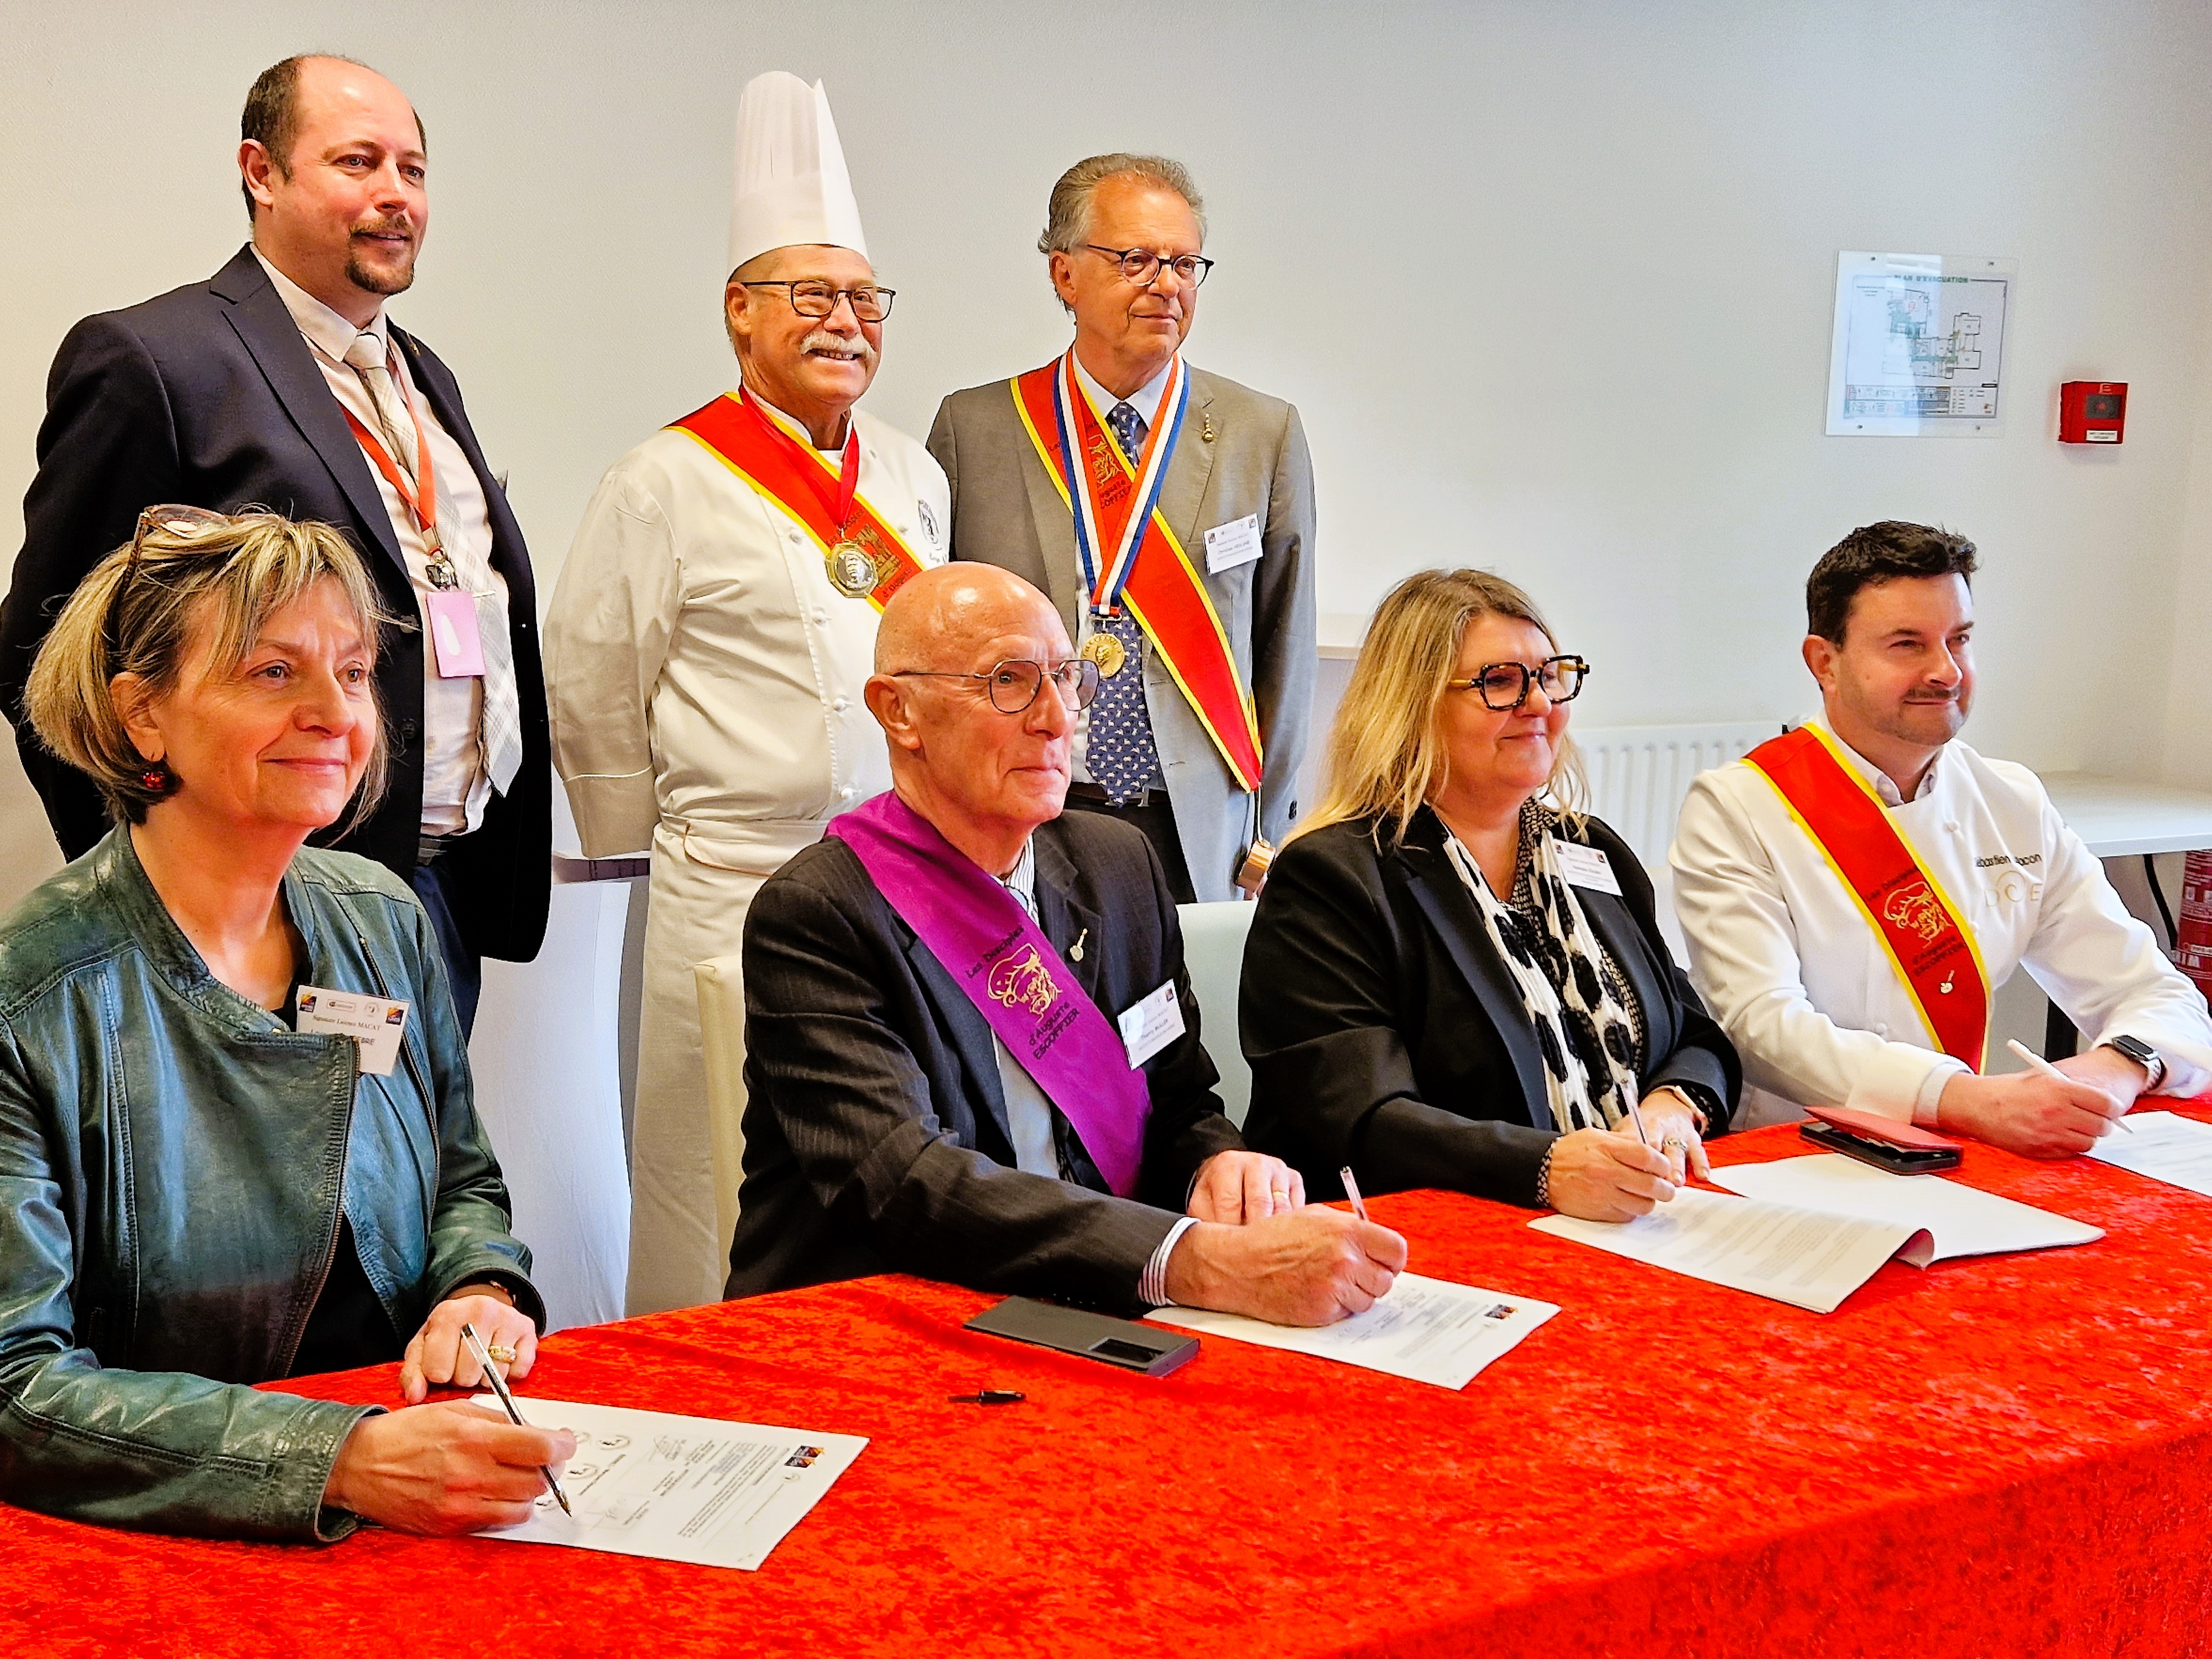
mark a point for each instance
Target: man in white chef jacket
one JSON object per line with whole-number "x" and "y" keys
{"x": 711, "y": 634}
{"x": 1854, "y": 893}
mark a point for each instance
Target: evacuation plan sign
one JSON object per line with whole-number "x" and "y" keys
{"x": 1919, "y": 345}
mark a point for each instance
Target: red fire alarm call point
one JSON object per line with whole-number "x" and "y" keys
{"x": 2092, "y": 412}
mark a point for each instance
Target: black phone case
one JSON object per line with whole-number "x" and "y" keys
{"x": 1898, "y": 1160}
{"x": 1122, "y": 1342}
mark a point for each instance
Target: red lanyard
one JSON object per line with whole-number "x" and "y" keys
{"x": 424, "y": 509}
{"x": 813, "y": 467}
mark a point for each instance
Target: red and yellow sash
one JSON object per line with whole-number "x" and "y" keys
{"x": 1931, "y": 947}
{"x": 1154, "y": 577}
{"x": 792, "y": 475}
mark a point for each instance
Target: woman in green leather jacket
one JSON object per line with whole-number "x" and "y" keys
{"x": 196, "y": 1194}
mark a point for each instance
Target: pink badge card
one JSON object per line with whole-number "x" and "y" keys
{"x": 454, "y": 632}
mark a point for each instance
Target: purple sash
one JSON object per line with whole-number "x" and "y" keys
{"x": 1012, "y": 973}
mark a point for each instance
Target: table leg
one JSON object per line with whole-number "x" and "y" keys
{"x": 2060, "y": 1039}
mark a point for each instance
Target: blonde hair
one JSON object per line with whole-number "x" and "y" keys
{"x": 1386, "y": 753}
{"x": 220, "y": 579}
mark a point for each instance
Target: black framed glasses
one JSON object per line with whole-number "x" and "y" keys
{"x": 1014, "y": 684}
{"x": 817, "y": 300}
{"x": 1141, "y": 266}
{"x": 176, "y": 519}
{"x": 1504, "y": 685}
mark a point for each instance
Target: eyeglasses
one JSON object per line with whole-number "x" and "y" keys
{"x": 175, "y": 519}
{"x": 1015, "y": 682}
{"x": 818, "y": 299}
{"x": 1141, "y": 265}
{"x": 1504, "y": 685}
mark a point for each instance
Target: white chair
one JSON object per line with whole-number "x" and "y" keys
{"x": 1213, "y": 951}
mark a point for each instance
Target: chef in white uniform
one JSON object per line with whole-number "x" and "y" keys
{"x": 1789, "y": 959}
{"x": 711, "y": 634}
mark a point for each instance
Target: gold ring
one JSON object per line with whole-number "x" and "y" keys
{"x": 500, "y": 1351}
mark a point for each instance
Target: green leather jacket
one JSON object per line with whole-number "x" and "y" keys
{"x": 173, "y": 1161}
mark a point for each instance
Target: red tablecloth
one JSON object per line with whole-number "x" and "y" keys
{"x": 2007, "y": 1456}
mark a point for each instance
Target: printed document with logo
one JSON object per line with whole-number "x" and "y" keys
{"x": 1808, "y": 1258}
{"x": 1962, "y": 1220}
{"x": 1428, "y": 1330}
{"x": 678, "y": 1488}
{"x": 2165, "y": 1146}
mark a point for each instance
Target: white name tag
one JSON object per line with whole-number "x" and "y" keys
{"x": 1585, "y": 866}
{"x": 1227, "y": 545}
{"x": 376, "y": 1023}
{"x": 1149, "y": 1026}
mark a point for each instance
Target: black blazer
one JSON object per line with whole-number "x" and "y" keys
{"x": 1385, "y": 1033}
{"x": 875, "y": 1137}
{"x": 209, "y": 396}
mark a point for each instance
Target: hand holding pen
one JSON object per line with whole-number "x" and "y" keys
{"x": 499, "y": 1387}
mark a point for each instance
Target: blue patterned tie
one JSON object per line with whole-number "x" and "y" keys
{"x": 1119, "y": 750}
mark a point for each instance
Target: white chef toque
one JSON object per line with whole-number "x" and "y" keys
{"x": 792, "y": 186}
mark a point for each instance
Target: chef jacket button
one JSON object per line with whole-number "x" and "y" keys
{"x": 846, "y": 793}
{"x": 821, "y": 618}
{"x": 839, "y": 704}
{"x": 1881, "y": 1030}
{"x": 1952, "y": 827}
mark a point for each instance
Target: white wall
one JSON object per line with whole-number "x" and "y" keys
{"x": 1550, "y": 281}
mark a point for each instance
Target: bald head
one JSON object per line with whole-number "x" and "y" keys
{"x": 984, "y": 774}
{"x": 935, "y": 620}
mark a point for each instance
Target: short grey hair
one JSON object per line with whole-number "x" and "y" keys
{"x": 1067, "y": 218}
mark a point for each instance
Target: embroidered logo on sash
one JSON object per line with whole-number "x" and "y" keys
{"x": 1022, "y": 981}
{"x": 1915, "y": 907}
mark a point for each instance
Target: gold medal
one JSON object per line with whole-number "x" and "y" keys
{"x": 1107, "y": 651}
{"x": 852, "y": 572}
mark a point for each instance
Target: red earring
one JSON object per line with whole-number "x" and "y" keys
{"x": 158, "y": 778}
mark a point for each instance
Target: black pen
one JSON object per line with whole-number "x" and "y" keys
{"x": 499, "y": 1387}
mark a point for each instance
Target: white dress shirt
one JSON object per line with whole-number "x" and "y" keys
{"x": 1029, "y": 1109}
{"x": 455, "y": 786}
{"x": 1790, "y": 967}
{"x": 1146, "y": 400}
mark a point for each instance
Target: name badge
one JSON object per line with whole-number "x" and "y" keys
{"x": 377, "y": 1023}
{"x": 1150, "y": 1025}
{"x": 1585, "y": 866}
{"x": 1227, "y": 545}
{"x": 454, "y": 636}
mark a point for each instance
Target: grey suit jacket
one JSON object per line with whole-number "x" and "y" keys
{"x": 1006, "y": 512}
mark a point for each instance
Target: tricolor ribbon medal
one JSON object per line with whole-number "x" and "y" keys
{"x": 1112, "y": 507}
{"x": 1129, "y": 557}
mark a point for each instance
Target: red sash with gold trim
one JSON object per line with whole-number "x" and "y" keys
{"x": 1162, "y": 588}
{"x": 1931, "y": 948}
{"x": 797, "y": 479}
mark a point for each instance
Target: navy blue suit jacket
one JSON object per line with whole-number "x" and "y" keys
{"x": 209, "y": 395}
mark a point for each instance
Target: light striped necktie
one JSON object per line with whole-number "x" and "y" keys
{"x": 499, "y": 729}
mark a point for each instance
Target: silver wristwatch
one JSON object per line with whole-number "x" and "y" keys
{"x": 2143, "y": 1055}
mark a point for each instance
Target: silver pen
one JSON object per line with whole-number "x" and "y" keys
{"x": 499, "y": 1387}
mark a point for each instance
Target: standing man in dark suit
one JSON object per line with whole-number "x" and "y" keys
{"x": 1170, "y": 514}
{"x": 281, "y": 384}
{"x": 935, "y": 1081}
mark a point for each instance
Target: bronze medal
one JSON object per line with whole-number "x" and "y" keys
{"x": 1107, "y": 651}
{"x": 852, "y": 572}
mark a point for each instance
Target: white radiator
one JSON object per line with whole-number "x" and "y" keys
{"x": 1638, "y": 775}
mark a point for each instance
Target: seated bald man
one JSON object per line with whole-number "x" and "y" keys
{"x": 971, "y": 1050}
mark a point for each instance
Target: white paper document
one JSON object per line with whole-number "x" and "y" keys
{"x": 2165, "y": 1146}
{"x": 1429, "y": 1330}
{"x": 1964, "y": 1220}
{"x": 679, "y": 1488}
{"x": 1808, "y": 1258}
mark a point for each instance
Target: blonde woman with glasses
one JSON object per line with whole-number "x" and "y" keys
{"x": 1455, "y": 978}
{"x": 203, "y": 1184}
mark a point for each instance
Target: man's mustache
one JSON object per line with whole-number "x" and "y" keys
{"x": 822, "y": 339}
{"x": 386, "y": 227}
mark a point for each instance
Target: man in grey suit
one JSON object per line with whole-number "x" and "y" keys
{"x": 1181, "y": 557}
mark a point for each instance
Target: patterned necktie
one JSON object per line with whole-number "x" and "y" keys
{"x": 499, "y": 729}
{"x": 1118, "y": 748}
